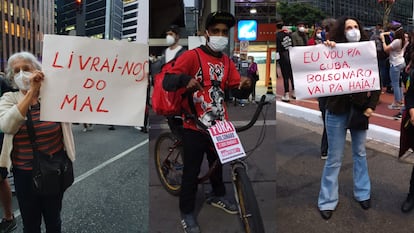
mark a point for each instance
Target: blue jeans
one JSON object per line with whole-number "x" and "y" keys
{"x": 33, "y": 207}
{"x": 336, "y": 131}
{"x": 395, "y": 74}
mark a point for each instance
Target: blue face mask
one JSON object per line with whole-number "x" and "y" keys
{"x": 392, "y": 34}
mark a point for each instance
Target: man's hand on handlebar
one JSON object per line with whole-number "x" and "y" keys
{"x": 193, "y": 85}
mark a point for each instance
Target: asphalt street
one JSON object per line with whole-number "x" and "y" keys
{"x": 298, "y": 173}
{"x": 110, "y": 193}
{"x": 164, "y": 212}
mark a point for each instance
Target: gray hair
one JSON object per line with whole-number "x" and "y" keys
{"x": 21, "y": 55}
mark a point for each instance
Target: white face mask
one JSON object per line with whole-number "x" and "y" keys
{"x": 319, "y": 36}
{"x": 218, "y": 43}
{"x": 170, "y": 40}
{"x": 301, "y": 29}
{"x": 353, "y": 35}
{"x": 22, "y": 80}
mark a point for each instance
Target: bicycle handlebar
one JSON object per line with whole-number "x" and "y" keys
{"x": 259, "y": 108}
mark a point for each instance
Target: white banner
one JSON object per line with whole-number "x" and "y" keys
{"x": 324, "y": 71}
{"x": 93, "y": 81}
{"x": 226, "y": 141}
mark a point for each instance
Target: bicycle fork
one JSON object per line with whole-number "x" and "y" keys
{"x": 235, "y": 165}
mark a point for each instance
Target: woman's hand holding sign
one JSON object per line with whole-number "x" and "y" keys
{"x": 330, "y": 43}
{"x": 36, "y": 82}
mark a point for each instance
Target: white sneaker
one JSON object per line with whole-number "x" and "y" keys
{"x": 286, "y": 98}
{"x": 293, "y": 94}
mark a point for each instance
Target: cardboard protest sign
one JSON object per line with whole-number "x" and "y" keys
{"x": 93, "y": 81}
{"x": 226, "y": 141}
{"x": 324, "y": 71}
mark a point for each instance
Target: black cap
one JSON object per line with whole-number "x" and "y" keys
{"x": 220, "y": 17}
{"x": 174, "y": 28}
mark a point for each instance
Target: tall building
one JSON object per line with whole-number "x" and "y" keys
{"x": 130, "y": 20}
{"x": 22, "y": 26}
{"x": 102, "y": 18}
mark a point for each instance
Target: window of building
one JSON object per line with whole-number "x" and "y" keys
{"x": 97, "y": 36}
{"x": 6, "y": 27}
{"x": 11, "y": 9}
{"x": 130, "y": 31}
{"x": 12, "y": 28}
{"x": 129, "y": 24}
{"x": 22, "y": 13}
{"x": 16, "y": 12}
{"x": 5, "y": 7}
{"x": 17, "y": 30}
{"x": 129, "y": 16}
{"x": 28, "y": 14}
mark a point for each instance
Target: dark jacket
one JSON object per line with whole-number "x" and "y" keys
{"x": 340, "y": 104}
{"x": 409, "y": 96}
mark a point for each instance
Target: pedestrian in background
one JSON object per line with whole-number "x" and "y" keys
{"x": 326, "y": 24}
{"x": 397, "y": 63}
{"x": 341, "y": 110}
{"x": 300, "y": 36}
{"x": 283, "y": 43}
{"x": 316, "y": 37}
{"x": 382, "y": 57}
{"x": 173, "y": 51}
{"x": 24, "y": 72}
{"x": 253, "y": 74}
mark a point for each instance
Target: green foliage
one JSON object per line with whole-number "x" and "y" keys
{"x": 299, "y": 12}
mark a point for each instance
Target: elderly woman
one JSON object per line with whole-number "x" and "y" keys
{"x": 52, "y": 138}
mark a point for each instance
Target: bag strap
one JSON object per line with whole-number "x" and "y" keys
{"x": 31, "y": 131}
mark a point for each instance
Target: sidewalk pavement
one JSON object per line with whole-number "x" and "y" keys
{"x": 383, "y": 127}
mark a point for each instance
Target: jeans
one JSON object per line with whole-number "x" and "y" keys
{"x": 395, "y": 73}
{"x": 336, "y": 131}
{"x": 33, "y": 207}
{"x": 195, "y": 144}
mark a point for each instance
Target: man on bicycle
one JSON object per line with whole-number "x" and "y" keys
{"x": 205, "y": 72}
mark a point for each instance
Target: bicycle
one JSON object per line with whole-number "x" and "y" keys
{"x": 170, "y": 166}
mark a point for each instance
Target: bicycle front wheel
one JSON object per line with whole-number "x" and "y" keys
{"x": 248, "y": 207}
{"x": 168, "y": 162}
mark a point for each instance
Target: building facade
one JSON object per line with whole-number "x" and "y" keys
{"x": 23, "y": 24}
{"x": 100, "y": 19}
{"x": 130, "y": 20}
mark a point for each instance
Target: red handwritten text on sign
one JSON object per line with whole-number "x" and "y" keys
{"x": 323, "y": 71}
{"x": 101, "y": 64}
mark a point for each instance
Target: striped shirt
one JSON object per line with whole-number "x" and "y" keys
{"x": 49, "y": 140}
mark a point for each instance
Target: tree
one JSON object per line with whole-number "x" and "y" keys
{"x": 299, "y": 12}
{"x": 387, "y": 6}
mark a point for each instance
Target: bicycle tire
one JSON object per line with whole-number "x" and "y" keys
{"x": 168, "y": 162}
{"x": 249, "y": 211}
